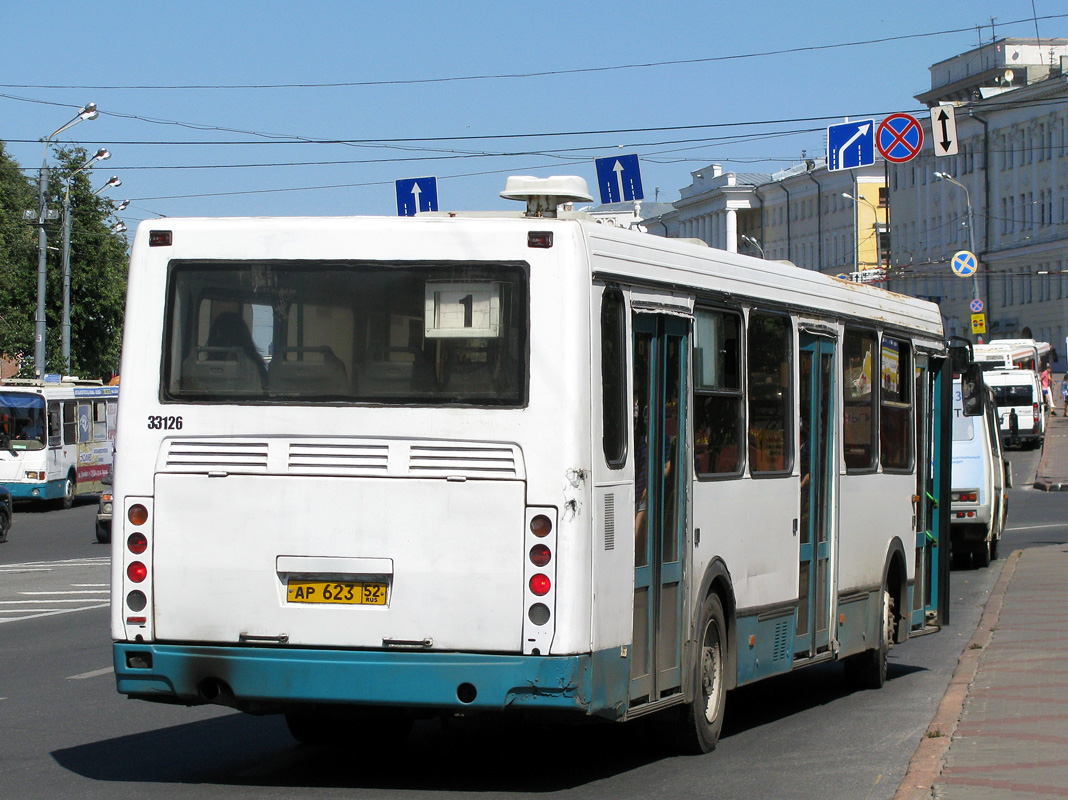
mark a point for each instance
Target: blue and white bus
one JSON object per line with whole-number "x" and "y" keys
{"x": 380, "y": 468}
{"x": 57, "y": 437}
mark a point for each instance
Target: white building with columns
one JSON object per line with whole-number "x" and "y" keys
{"x": 801, "y": 215}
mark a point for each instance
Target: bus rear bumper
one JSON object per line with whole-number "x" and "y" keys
{"x": 271, "y": 679}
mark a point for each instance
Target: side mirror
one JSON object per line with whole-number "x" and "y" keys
{"x": 971, "y": 390}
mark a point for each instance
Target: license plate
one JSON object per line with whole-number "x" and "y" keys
{"x": 337, "y": 592}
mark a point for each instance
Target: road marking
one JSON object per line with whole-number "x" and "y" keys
{"x": 1034, "y": 527}
{"x": 96, "y": 673}
{"x": 50, "y": 594}
{"x": 54, "y": 613}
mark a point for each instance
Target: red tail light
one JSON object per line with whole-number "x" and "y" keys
{"x": 137, "y": 571}
{"x": 137, "y": 543}
{"x": 540, "y": 585}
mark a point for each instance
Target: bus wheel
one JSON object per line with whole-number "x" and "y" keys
{"x": 867, "y": 670}
{"x": 982, "y": 554}
{"x": 5, "y": 524}
{"x": 702, "y": 720}
{"x": 67, "y": 500}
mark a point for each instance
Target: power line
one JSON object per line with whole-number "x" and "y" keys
{"x": 541, "y": 74}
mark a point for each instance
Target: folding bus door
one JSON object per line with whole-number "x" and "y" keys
{"x": 817, "y": 476}
{"x": 660, "y": 348}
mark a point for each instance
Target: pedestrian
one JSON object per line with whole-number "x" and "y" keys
{"x": 1064, "y": 395}
{"x": 1046, "y": 377}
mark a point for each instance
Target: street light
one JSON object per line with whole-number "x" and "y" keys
{"x": 945, "y": 176}
{"x": 878, "y": 247}
{"x": 101, "y": 155}
{"x": 755, "y": 244}
{"x": 88, "y": 111}
{"x": 114, "y": 180}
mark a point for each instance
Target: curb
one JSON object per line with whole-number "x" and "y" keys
{"x": 1045, "y": 486}
{"x": 926, "y": 763}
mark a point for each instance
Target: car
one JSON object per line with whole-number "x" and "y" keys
{"x": 103, "y": 512}
{"x": 6, "y": 515}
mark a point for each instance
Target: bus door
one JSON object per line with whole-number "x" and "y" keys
{"x": 925, "y": 591}
{"x": 817, "y": 477}
{"x": 660, "y": 348}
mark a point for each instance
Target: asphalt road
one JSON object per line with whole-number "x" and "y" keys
{"x": 67, "y": 733}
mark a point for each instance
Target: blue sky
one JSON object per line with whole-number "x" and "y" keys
{"x": 398, "y": 103}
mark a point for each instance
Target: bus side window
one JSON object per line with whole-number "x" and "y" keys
{"x": 895, "y": 424}
{"x": 100, "y": 421}
{"x": 614, "y": 378}
{"x": 718, "y": 416}
{"x": 70, "y": 423}
{"x": 55, "y": 425}
{"x": 769, "y": 345}
{"x": 858, "y": 394}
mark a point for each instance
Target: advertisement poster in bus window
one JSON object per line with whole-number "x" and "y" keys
{"x": 891, "y": 367}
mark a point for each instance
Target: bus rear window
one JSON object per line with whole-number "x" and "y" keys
{"x": 384, "y": 333}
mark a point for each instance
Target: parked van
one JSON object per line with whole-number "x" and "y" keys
{"x": 1018, "y": 394}
{"x": 980, "y": 480}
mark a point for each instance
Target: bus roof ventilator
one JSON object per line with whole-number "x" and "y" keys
{"x": 544, "y": 195}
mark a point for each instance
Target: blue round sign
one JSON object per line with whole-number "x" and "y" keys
{"x": 964, "y": 264}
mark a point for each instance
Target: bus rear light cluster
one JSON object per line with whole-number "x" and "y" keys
{"x": 965, "y": 514}
{"x": 966, "y": 497}
{"x": 1034, "y": 410}
{"x": 540, "y": 574}
{"x": 137, "y": 558}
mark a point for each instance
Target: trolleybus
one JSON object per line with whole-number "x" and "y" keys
{"x": 57, "y": 437}
{"x": 379, "y": 468}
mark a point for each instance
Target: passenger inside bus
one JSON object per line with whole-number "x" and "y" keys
{"x": 228, "y": 362}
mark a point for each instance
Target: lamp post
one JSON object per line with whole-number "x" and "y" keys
{"x": 945, "y": 176}
{"x": 869, "y": 204}
{"x": 101, "y": 155}
{"x": 88, "y": 111}
{"x": 755, "y": 244}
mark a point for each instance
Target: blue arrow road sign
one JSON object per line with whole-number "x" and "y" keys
{"x": 619, "y": 178}
{"x": 415, "y": 195}
{"x": 851, "y": 144}
{"x": 963, "y": 263}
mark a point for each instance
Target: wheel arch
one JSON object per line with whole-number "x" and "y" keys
{"x": 717, "y": 580}
{"x": 896, "y": 581}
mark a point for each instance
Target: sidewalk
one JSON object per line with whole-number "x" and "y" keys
{"x": 1001, "y": 730}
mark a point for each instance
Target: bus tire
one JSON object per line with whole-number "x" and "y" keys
{"x": 702, "y": 720}
{"x": 981, "y": 554}
{"x": 5, "y": 524}
{"x": 67, "y": 500}
{"x": 867, "y": 670}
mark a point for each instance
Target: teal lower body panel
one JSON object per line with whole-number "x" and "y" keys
{"x": 765, "y": 645}
{"x": 273, "y": 678}
{"x": 51, "y": 490}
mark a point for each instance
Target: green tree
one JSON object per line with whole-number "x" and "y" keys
{"x": 98, "y": 266}
{"x": 18, "y": 261}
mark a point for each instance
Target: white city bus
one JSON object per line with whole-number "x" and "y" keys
{"x": 57, "y": 437}
{"x": 378, "y": 468}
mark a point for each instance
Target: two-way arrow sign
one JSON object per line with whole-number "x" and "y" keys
{"x": 944, "y": 130}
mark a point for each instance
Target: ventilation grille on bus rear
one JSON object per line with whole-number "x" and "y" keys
{"x": 210, "y": 456}
{"x": 471, "y": 462}
{"x": 338, "y": 458}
